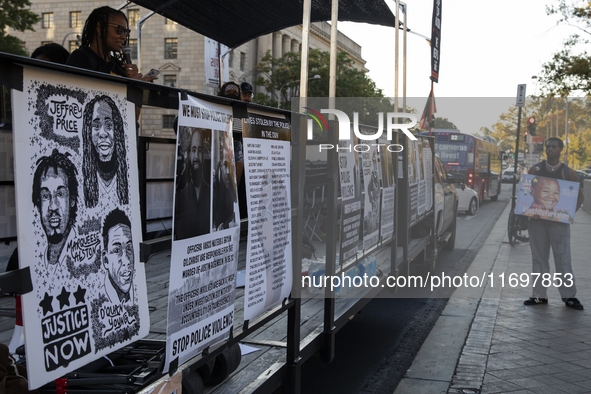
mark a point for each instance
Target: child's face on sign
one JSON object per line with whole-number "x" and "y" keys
{"x": 546, "y": 193}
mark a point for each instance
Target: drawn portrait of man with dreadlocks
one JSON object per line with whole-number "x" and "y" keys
{"x": 55, "y": 195}
{"x": 105, "y": 158}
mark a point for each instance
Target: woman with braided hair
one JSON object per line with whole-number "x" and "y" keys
{"x": 105, "y": 32}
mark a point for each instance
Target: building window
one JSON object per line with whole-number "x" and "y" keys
{"x": 48, "y": 20}
{"x": 169, "y": 80}
{"x": 242, "y": 61}
{"x": 231, "y": 59}
{"x": 168, "y": 121}
{"x": 74, "y": 45}
{"x": 133, "y": 47}
{"x": 76, "y": 19}
{"x": 133, "y": 16}
{"x": 170, "y": 48}
{"x": 169, "y": 21}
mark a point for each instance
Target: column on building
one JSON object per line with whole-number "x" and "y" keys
{"x": 265, "y": 43}
{"x": 295, "y": 46}
{"x": 286, "y": 44}
{"x": 277, "y": 45}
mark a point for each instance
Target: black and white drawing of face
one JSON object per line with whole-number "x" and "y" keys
{"x": 196, "y": 156}
{"x": 55, "y": 205}
{"x": 102, "y": 131}
{"x": 118, "y": 258}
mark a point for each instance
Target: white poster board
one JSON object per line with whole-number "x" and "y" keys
{"x": 79, "y": 224}
{"x": 388, "y": 193}
{"x": 206, "y": 232}
{"x": 350, "y": 183}
{"x": 269, "y": 275}
{"x": 212, "y": 62}
{"x": 373, "y": 193}
{"x": 428, "y": 170}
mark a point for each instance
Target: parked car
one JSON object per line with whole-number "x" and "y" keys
{"x": 467, "y": 197}
{"x": 509, "y": 173}
{"x": 446, "y": 206}
{"x": 586, "y": 170}
{"x": 582, "y": 176}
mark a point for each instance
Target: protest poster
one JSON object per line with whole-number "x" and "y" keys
{"x": 547, "y": 198}
{"x": 413, "y": 180}
{"x": 213, "y": 52}
{"x": 422, "y": 202}
{"x": 373, "y": 194}
{"x": 269, "y": 276}
{"x": 351, "y": 201}
{"x": 388, "y": 194}
{"x": 206, "y": 232}
{"x": 79, "y": 225}
{"x": 428, "y": 171}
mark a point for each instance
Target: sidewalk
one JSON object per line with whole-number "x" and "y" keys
{"x": 496, "y": 344}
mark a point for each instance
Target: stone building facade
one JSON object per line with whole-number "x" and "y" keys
{"x": 177, "y": 52}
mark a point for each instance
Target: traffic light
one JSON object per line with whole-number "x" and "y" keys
{"x": 531, "y": 126}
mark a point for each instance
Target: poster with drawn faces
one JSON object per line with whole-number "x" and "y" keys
{"x": 79, "y": 225}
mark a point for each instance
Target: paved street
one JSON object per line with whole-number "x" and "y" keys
{"x": 499, "y": 345}
{"x": 376, "y": 348}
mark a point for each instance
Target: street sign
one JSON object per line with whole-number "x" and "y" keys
{"x": 537, "y": 139}
{"x": 520, "y": 95}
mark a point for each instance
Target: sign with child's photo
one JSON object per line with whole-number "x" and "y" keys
{"x": 547, "y": 198}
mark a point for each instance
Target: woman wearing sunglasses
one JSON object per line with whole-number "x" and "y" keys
{"x": 103, "y": 37}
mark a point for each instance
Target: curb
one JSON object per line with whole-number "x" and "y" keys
{"x": 453, "y": 357}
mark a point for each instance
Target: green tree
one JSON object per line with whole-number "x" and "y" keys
{"x": 444, "y": 123}
{"x": 15, "y": 14}
{"x": 569, "y": 70}
{"x": 280, "y": 76}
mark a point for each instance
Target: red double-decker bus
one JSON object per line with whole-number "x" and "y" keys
{"x": 478, "y": 160}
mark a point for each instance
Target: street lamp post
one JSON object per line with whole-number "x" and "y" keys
{"x": 290, "y": 82}
{"x": 69, "y": 34}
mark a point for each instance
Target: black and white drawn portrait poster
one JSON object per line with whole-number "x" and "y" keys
{"x": 373, "y": 192}
{"x": 266, "y": 143}
{"x": 388, "y": 194}
{"x": 206, "y": 232}
{"x": 350, "y": 183}
{"x": 79, "y": 225}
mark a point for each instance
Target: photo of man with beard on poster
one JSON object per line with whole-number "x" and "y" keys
{"x": 105, "y": 158}
{"x": 192, "y": 201}
{"x": 224, "y": 189}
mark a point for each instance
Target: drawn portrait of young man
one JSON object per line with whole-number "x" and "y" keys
{"x": 105, "y": 159}
{"x": 55, "y": 195}
{"x": 118, "y": 257}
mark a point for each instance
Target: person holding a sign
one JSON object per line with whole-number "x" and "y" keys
{"x": 546, "y": 234}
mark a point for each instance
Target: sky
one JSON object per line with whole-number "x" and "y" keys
{"x": 487, "y": 49}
